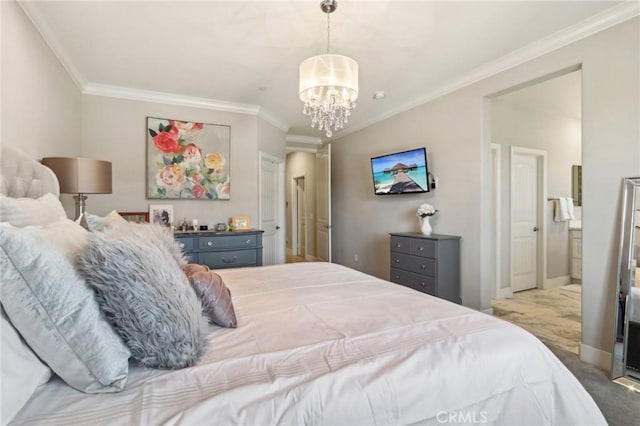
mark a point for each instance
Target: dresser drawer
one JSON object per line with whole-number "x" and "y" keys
{"x": 228, "y": 259}
{"x": 186, "y": 243}
{"x": 414, "y": 281}
{"x": 419, "y": 265}
{"x": 400, "y": 245}
{"x": 424, "y": 248}
{"x": 227, "y": 242}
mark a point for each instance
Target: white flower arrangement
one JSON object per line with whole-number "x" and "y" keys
{"x": 425, "y": 210}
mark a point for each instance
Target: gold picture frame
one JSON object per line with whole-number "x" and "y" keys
{"x": 241, "y": 222}
{"x": 135, "y": 217}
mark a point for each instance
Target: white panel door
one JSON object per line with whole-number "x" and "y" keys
{"x": 524, "y": 221}
{"x": 323, "y": 202}
{"x": 272, "y": 209}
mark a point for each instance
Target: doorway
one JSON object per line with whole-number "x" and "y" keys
{"x": 271, "y": 208}
{"x": 299, "y": 213}
{"x": 536, "y": 139}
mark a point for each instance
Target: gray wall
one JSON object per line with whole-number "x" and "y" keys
{"x": 115, "y": 130}
{"x": 40, "y": 103}
{"x": 456, "y": 131}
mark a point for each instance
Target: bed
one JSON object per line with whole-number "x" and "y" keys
{"x": 320, "y": 343}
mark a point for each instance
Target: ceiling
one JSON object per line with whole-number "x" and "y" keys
{"x": 244, "y": 55}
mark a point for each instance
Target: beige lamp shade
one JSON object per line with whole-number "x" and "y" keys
{"x": 338, "y": 72}
{"x": 81, "y": 175}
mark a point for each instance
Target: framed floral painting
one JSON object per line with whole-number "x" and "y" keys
{"x": 187, "y": 160}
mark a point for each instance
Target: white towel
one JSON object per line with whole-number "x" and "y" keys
{"x": 563, "y": 209}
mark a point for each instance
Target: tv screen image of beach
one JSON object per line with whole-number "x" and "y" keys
{"x": 401, "y": 172}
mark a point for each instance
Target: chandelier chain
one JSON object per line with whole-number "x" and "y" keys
{"x": 328, "y": 31}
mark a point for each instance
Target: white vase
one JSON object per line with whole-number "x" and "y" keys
{"x": 425, "y": 226}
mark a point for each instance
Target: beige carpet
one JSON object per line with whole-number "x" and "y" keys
{"x": 553, "y": 315}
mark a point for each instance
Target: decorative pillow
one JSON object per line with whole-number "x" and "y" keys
{"x": 65, "y": 235}
{"x": 113, "y": 220}
{"x": 57, "y": 315}
{"x": 145, "y": 296}
{"x": 22, "y": 371}
{"x": 21, "y": 212}
{"x": 214, "y": 295}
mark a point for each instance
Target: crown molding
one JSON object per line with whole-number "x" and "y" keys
{"x": 272, "y": 119}
{"x": 592, "y": 25}
{"x": 47, "y": 35}
{"x": 300, "y": 143}
{"x": 167, "y": 98}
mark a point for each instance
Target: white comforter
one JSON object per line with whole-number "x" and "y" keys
{"x": 322, "y": 344}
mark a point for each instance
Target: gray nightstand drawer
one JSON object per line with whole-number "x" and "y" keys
{"x": 228, "y": 259}
{"x": 419, "y": 265}
{"x": 401, "y": 245}
{"x": 186, "y": 243}
{"x": 424, "y": 248}
{"x": 227, "y": 242}
{"x": 417, "y": 282}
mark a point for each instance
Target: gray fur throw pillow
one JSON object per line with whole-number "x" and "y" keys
{"x": 145, "y": 296}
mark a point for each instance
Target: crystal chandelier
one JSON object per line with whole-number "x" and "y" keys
{"x": 328, "y": 85}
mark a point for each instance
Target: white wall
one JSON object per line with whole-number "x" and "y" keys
{"x": 271, "y": 140}
{"x": 456, "y": 131}
{"x": 530, "y": 124}
{"x": 41, "y": 105}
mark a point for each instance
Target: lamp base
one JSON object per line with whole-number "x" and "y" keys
{"x": 81, "y": 202}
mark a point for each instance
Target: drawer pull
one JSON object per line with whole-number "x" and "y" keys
{"x": 423, "y": 284}
{"x": 398, "y": 245}
{"x": 229, "y": 261}
{"x": 397, "y": 260}
{"x": 209, "y": 243}
{"x": 421, "y": 249}
{"x": 181, "y": 245}
{"x": 423, "y": 266}
{"x": 397, "y": 277}
{"x": 248, "y": 242}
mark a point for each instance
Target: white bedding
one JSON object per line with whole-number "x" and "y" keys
{"x": 319, "y": 343}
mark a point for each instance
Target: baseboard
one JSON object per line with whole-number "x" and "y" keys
{"x": 504, "y": 293}
{"x": 595, "y": 356}
{"x": 310, "y": 258}
{"x": 556, "y": 282}
{"x": 488, "y": 311}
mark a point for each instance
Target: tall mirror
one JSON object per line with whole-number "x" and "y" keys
{"x": 626, "y": 344}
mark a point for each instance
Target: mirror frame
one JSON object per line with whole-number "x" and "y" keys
{"x": 626, "y": 274}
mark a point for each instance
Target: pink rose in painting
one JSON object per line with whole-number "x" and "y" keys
{"x": 196, "y": 177}
{"x": 198, "y": 191}
{"x": 192, "y": 152}
{"x": 223, "y": 190}
{"x": 186, "y": 127}
{"x": 166, "y": 142}
{"x": 171, "y": 176}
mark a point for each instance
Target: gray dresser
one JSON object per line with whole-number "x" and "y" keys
{"x": 222, "y": 249}
{"x": 427, "y": 263}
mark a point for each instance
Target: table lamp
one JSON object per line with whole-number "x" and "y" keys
{"x": 81, "y": 176}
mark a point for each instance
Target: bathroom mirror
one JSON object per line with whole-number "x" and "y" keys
{"x": 626, "y": 342}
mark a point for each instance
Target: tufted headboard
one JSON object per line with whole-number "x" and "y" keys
{"x": 23, "y": 176}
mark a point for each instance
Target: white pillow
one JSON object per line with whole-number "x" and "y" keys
{"x": 22, "y": 371}
{"x": 92, "y": 222}
{"x": 64, "y": 235}
{"x": 22, "y": 212}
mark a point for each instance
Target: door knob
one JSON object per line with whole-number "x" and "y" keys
{"x": 536, "y": 229}
{"x": 277, "y": 227}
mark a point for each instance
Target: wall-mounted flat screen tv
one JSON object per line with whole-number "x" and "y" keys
{"x": 401, "y": 172}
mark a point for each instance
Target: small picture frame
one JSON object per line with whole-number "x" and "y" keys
{"x": 241, "y": 222}
{"x": 135, "y": 217}
{"x": 161, "y": 214}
